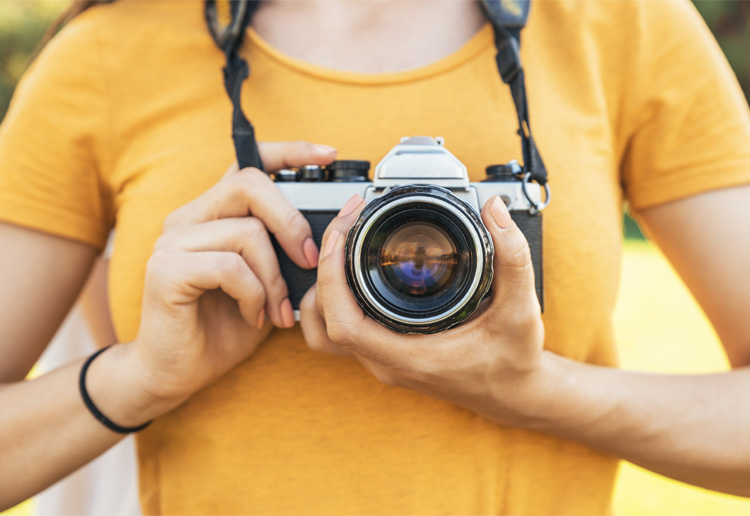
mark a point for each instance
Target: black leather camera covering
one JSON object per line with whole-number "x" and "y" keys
{"x": 531, "y": 227}
{"x": 300, "y": 280}
{"x": 297, "y": 279}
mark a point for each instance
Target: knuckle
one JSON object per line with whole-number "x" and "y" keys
{"x": 163, "y": 243}
{"x": 385, "y": 377}
{"x": 318, "y": 345}
{"x": 246, "y": 187}
{"x": 172, "y": 220}
{"x": 241, "y": 186}
{"x": 250, "y": 230}
{"x": 340, "y": 334}
{"x": 250, "y": 177}
{"x": 231, "y": 264}
{"x": 526, "y": 320}
{"x": 256, "y": 290}
{"x": 519, "y": 255}
{"x": 157, "y": 260}
{"x": 158, "y": 264}
{"x": 254, "y": 226}
{"x": 276, "y": 283}
{"x": 296, "y": 222}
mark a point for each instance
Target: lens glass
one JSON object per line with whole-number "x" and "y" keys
{"x": 419, "y": 259}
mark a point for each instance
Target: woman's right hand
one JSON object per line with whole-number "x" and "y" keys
{"x": 214, "y": 276}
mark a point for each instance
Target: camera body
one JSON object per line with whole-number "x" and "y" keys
{"x": 419, "y": 259}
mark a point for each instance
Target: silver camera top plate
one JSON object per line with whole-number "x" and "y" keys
{"x": 421, "y": 160}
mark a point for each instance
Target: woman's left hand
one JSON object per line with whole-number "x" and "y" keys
{"x": 493, "y": 364}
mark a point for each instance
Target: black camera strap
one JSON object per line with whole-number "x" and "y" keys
{"x": 229, "y": 40}
{"x": 508, "y": 18}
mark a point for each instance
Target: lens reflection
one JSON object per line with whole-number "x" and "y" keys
{"x": 419, "y": 259}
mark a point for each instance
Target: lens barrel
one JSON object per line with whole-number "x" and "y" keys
{"x": 419, "y": 259}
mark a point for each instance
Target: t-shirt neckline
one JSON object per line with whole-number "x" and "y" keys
{"x": 477, "y": 43}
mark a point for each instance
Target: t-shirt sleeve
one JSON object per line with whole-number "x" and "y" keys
{"x": 687, "y": 119}
{"x": 53, "y": 143}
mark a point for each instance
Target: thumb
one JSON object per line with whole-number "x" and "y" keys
{"x": 513, "y": 280}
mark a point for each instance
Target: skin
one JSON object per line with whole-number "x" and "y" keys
{"x": 213, "y": 280}
{"x": 95, "y": 304}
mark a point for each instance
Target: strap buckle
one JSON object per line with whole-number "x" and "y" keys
{"x": 536, "y": 207}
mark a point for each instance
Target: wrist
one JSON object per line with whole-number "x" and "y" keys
{"x": 532, "y": 401}
{"x": 117, "y": 385}
{"x": 565, "y": 401}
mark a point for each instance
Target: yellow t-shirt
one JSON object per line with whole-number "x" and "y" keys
{"x": 124, "y": 118}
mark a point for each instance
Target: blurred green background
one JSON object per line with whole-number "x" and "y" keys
{"x": 652, "y": 298}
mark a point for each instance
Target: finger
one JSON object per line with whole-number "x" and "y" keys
{"x": 513, "y": 287}
{"x": 348, "y": 326}
{"x": 233, "y": 169}
{"x": 314, "y": 327}
{"x": 246, "y": 236}
{"x": 181, "y": 278}
{"x": 252, "y": 191}
{"x": 345, "y": 219}
{"x": 278, "y": 155}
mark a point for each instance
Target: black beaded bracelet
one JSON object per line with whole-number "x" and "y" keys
{"x": 90, "y": 404}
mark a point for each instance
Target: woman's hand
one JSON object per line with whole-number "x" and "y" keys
{"x": 214, "y": 276}
{"x": 492, "y": 364}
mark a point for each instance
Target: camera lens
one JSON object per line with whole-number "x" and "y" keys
{"x": 419, "y": 259}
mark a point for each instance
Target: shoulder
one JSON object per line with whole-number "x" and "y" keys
{"x": 116, "y": 55}
{"x": 128, "y": 32}
{"x": 618, "y": 27}
{"x": 617, "y": 15}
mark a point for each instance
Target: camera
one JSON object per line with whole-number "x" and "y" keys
{"x": 418, "y": 259}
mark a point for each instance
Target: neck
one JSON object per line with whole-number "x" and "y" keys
{"x": 369, "y": 36}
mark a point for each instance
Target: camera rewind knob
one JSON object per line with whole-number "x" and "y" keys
{"x": 312, "y": 174}
{"x": 348, "y": 170}
{"x": 286, "y": 175}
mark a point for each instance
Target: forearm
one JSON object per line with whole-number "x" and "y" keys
{"x": 690, "y": 428}
{"x": 47, "y": 432}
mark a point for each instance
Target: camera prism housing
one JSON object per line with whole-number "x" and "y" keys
{"x": 418, "y": 259}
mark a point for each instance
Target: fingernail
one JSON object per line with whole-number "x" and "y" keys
{"x": 331, "y": 242}
{"x": 500, "y": 213}
{"x": 350, "y": 205}
{"x": 261, "y": 318}
{"x": 310, "y": 251}
{"x": 287, "y": 314}
{"x": 324, "y": 150}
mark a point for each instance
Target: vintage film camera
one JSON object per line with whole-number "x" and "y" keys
{"x": 418, "y": 259}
